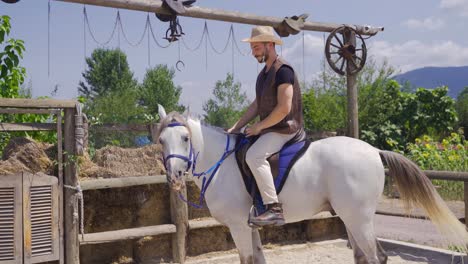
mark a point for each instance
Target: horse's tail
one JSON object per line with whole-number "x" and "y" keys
{"x": 417, "y": 190}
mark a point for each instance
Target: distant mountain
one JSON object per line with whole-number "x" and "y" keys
{"x": 456, "y": 78}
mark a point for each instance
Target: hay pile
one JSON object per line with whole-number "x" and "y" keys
{"x": 24, "y": 154}
{"x": 114, "y": 162}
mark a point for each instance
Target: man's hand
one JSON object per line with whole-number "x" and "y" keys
{"x": 233, "y": 130}
{"x": 253, "y": 130}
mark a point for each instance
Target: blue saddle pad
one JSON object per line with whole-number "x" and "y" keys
{"x": 281, "y": 161}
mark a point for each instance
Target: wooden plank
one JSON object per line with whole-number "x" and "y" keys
{"x": 72, "y": 245}
{"x": 121, "y": 127}
{"x": 204, "y": 223}
{"x": 37, "y": 103}
{"x": 155, "y": 6}
{"x": 125, "y": 234}
{"x": 28, "y": 111}
{"x": 122, "y": 182}
{"x": 28, "y": 127}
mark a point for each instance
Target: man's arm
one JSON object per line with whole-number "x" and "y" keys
{"x": 282, "y": 109}
{"x": 248, "y": 116}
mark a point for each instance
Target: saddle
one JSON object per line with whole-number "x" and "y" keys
{"x": 280, "y": 163}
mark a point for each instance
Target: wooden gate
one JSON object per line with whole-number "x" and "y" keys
{"x": 29, "y": 218}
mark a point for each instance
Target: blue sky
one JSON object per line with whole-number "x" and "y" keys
{"x": 417, "y": 33}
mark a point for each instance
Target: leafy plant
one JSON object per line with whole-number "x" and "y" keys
{"x": 451, "y": 154}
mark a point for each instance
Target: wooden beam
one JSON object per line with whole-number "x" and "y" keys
{"x": 125, "y": 234}
{"x": 444, "y": 175}
{"x": 28, "y": 127}
{"x": 121, "y": 127}
{"x": 155, "y": 6}
{"x": 37, "y": 103}
{"x": 96, "y": 184}
{"x": 205, "y": 223}
{"x": 28, "y": 111}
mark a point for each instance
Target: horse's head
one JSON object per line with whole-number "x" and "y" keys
{"x": 175, "y": 138}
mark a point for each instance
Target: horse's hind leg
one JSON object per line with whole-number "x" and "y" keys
{"x": 381, "y": 253}
{"x": 359, "y": 256}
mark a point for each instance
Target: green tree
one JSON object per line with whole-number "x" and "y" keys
{"x": 107, "y": 71}
{"x": 158, "y": 88}
{"x": 228, "y": 104}
{"x": 12, "y": 75}
{"x": 461, "y": 106}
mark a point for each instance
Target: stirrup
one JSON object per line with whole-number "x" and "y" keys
{"x": 252, "y": 213}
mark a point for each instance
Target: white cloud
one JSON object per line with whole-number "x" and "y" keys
{"x": 416, "y": 54}
{"x": 430, "y": 23}
{"x": 460, "y": 6}
{"x": 314, "y": 46}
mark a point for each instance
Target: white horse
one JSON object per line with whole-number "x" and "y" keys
{"x": 342, "y": 173}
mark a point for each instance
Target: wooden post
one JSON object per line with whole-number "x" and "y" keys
{"x": 179, "y": 215}
{"x": 72, "y": 245}
{"x": 60, "y": 184}
{"x": 351, "y": 82}
{"x": 466, "y": 202}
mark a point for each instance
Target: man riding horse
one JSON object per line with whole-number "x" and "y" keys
{"x": 279, "y": 106}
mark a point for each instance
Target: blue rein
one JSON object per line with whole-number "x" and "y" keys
{"x": 192, "y": 162}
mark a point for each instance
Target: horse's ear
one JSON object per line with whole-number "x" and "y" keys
{"x": 161, "y": 111}
{"x": 186, "y": 113}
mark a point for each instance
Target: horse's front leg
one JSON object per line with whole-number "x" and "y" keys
{"x": 257, "y": 247}
{"x": 242, "y": 236}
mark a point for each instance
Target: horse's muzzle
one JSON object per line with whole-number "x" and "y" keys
{"x": 176, "y": 183}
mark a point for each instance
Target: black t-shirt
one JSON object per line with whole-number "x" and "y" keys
{"x": 284, "y": 75}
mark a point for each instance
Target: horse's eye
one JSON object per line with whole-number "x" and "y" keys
{"x": 186, "y": 138}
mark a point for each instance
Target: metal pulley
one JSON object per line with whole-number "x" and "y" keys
{"x": 346, "y": 47}
{"x": 174, "y": 8}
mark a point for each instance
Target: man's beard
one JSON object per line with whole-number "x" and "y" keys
{"x": 263, "y": 58}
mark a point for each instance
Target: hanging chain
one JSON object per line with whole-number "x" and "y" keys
{"x": 303, "y": 59}
{"x": 119, "y": 19}
{"x": 149, "y": 50}
{"x": 200, "y": 42}
{"x": 92, "y": 34}
{"x": 154, "y": 37}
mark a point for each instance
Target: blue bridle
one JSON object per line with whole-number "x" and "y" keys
{"x": 192, "y": 162}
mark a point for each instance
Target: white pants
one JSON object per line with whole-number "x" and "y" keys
{"x": 256, "y": 157}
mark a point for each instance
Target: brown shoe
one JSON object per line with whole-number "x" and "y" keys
{"x": 272, "y": 216}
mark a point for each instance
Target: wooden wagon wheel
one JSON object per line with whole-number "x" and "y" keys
{"x": 338, "y": 50}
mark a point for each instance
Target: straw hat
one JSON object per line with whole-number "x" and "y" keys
{"x": 263, "y": 34}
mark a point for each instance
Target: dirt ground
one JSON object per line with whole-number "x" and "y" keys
{"x": 328, "y": 252}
